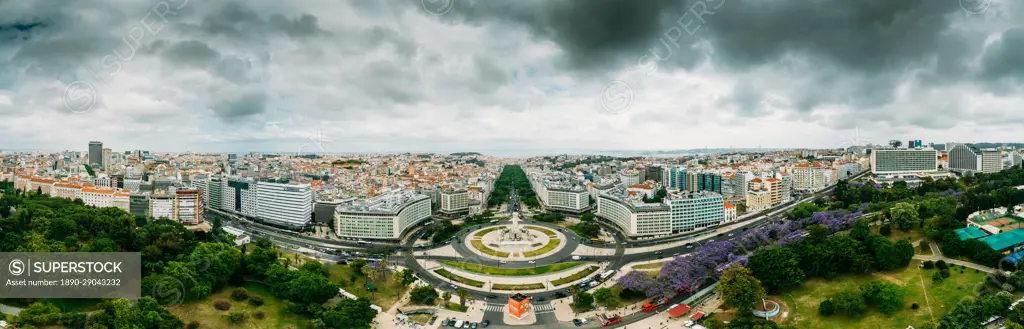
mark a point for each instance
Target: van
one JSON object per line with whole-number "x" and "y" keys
{"x": 458, "y": 323}
{"x": 575, "y": 257}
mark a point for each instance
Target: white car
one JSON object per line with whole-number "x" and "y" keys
{"x": 532, "y": 262}
{"x": 575, "y": 257}
{"x": 504, "y": 262}
{"x": 688, "y": 323}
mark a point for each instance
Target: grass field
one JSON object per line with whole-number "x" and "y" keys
{"x": 915, "y": 233}
{"x": 479, "y": 245}
{"x": 551, "y": 245}
{"x": 487, "y": 230}
{"x": 488, "y": 270}
{"x": 541, "y": 230}
{"x": 457, "y": 278}
{"x": 940, "y": 299}
{"x": 576, "y": 276}
{"x": 651, "y": 266}
{"x": 209, "y": 317}
{"x": 388, "y": 292}
{"x": 517, "y": 287}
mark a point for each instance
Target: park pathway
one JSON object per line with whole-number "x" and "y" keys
{"x": 5, "y": 309}
{"x": 937, "y": 256}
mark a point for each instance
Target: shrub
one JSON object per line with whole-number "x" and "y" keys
{"x": 237, "y": 317}
{"x": 941, "y": 264}
{"x": 936, "y": 277}
{"x": 259, "y": 315}
{"x": 222, "y": 305}
{"x": 256, "y": 301}
{"x": 928, "y": 264}
{"x": 424, "y": 295}
{"x": 193, "y": 325}
{"x": 240, "y": 294}
{"x": 944, "y": 272}
{"x": 914, "y": 306}
{"x": 885, "y": 230}
{"x": 825, "y": 308}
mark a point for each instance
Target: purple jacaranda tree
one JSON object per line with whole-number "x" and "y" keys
{"x": 683, "y": 272}
{"x": 740, "y": 260}
{"x": 818, "y": 218}
{"x": 640, "y": 281}
{"x": 792, "y": 237}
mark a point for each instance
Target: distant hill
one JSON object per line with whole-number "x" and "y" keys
{"x": 986, "y": 145}
{"x": 462, "y": 154}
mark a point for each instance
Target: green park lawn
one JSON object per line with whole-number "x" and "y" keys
{"x": 488, "y": 270}
{"x": 479, "y": 245}
{"x": 541, "y": 230}
{"x": 941, "y": 297}
{"x": 576, "y": 276}
{"x": 483, "y": 232}
{"x": 517, "y": 287}
{"x": 388, "y": 291}
{"x": 458, "y": 278}
{"x": 207, "y": 316}
{"x": 551, "y": 245}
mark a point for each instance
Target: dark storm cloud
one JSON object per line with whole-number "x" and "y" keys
{"x": 246, "y": 104}
{"x": 238, "y": 20}
{"x": 859, "y": 51}
{"x": 1005, "y": 58}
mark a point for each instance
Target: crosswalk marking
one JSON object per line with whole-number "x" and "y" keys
{"x": 538, "y": 308}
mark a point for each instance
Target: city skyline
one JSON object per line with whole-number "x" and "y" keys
{"x": 533, "y": 77}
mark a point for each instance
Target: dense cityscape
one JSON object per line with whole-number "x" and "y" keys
{"x": 501, "y": 164}
{"x": 583, "y": 240}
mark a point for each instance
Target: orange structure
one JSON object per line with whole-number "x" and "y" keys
{"x": 519, "y": 306}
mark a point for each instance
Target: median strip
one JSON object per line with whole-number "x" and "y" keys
{"x": 518, "y": 287}
{"x": 579, "y": 275}
{"x": 497, "y": 271}
{"x": 459, "y": 279}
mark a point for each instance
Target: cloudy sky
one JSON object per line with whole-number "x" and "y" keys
{"x": 532, "y": 76}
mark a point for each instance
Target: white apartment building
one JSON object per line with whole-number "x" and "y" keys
{"x": 383, "y": 217}
{"x": 161, "y": 206}
{"x": 991, "y": 161}
{"x": 903, "y": 161}
{"x": 810, "y": 177}
{"x": 284, "y": 204}
{"x": 558, "y": 192}
{"x": 677, "y": 213}
{"x": 95, "y": 196}
{"x": 629, "y": 177}
{"x": 730, "y": 212}
{"x": 454, "y": 201}
{"x": 188, "y": 206}
{"x": 121, "y": 200}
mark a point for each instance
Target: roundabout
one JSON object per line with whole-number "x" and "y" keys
{"x": 516, "y": 241}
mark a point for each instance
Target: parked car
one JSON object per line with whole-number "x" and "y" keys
{"x": 473, "y": 325}
{"x": 579, "y": 322}
{"x": 485, "y": 323}
{"x": 446, "y": 323}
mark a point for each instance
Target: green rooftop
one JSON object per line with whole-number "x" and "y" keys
{"x": 1004, "y": 241}
{"x": 969, "y": 233}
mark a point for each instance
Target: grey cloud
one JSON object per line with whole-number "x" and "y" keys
{"x": 244, "y": 105}
{"x": 1005, "y": 58}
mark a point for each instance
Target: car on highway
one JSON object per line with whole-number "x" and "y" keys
{"x": 657, "y": 252}
{"x": 560, "y": 294}
{"x": 485, "y": 323}
{"x": 532, "y": 262}
{"x": 731, "y": 234}
{"x": 492, "y": 296}
{"x": 503, "y": 262}
{"x": 574, "y": 257}
{"x": 579, "y": 322}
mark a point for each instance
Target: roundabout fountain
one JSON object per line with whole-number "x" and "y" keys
{"x": 515, "y": 241}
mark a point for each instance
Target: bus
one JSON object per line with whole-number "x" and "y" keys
{"x": 362, "y": 242}
{"x": 595, "y": 240}
{"x": 607, "y": 274}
